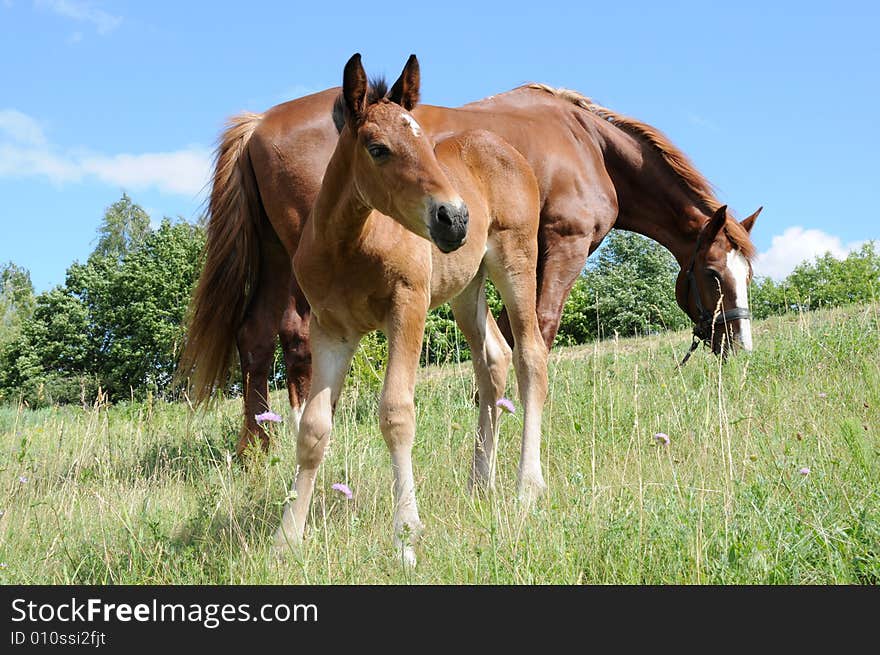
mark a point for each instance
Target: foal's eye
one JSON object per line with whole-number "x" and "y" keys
{"x": 378, "y": 151}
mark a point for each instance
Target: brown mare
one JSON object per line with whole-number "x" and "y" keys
{"x": 400, "y": 226}
{"x": 595, "y": 169}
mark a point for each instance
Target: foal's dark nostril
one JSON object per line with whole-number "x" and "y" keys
{"x": 443, "y": 215}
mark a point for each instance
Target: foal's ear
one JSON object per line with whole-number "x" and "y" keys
{"x": 354, "y": 89}
{"x": 405, "y": 91}
{"x": 749, "y": 223}
{"x": 713, "y": 227}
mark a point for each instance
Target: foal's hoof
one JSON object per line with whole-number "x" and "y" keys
{"x": 406, "y": 535}
{"x": 531, "y": 488}
{"x": 284, "y": 543}
{"x": 408, "y": 557}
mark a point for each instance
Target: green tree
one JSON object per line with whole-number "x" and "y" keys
{"x": 137, "y": 307}
{"x": 124, "y": 228}
{"x": 16, "y": 299}
{"x": 117, "y": 321}
{"x": 628, "y": 288}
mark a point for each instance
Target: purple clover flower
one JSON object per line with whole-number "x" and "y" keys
{"x": 805, "y": 471}
{"x": 662, "y": 438}
{"x": 270, "y": 417}
{"x": 506, "y": 404}
{"x": 343, "y": 489}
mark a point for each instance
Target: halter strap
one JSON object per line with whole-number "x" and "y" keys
{"x": 703, "y": 328}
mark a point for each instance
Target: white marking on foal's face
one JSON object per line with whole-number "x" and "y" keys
{"x": 739, "y": 269}
{"x": 413, "y": 124}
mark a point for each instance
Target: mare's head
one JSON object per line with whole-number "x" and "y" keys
{"x": 392, "y": 160}
{"x": 713, "y": 289}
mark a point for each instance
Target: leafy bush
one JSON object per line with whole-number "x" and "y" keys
{"x": 824, "y": 282}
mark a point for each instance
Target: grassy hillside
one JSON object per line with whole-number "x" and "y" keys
{"x": 147, "y": 493}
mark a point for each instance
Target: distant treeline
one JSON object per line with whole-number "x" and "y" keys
{"x": 116, "y": 324}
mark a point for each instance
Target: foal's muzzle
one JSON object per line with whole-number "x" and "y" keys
{"x": 448, "y": 225}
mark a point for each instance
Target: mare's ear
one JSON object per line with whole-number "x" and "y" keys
{"x": 405, "y": 91}
{"x": 713, "y": 227}
{"x": 354, "y": 90}
{"x": 749, "y": 223}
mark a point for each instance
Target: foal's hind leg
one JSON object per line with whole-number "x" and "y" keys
{"x": 511, "y": 267}
{"x": 491, "y": 357}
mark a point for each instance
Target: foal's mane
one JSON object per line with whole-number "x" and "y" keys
{"x": 377, "y": 89}
{"x": 678, "y": 162}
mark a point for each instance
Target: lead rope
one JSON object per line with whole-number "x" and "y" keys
{"x": 694, "y": 345}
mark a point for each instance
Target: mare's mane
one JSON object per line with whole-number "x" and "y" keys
{"x": 692, "y": 180}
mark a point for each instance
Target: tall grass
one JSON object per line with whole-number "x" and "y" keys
{"x": 148, "y": 493}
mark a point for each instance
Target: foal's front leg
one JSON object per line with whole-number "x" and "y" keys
{"x": 397, "y": 417}
{"x": 331, "y": 357}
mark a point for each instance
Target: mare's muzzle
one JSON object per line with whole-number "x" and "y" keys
{"x": 448, "y": 226}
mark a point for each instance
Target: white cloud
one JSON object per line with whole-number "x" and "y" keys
{"x": 25, "y": 152}
{"x": 796, "y": 245}
{"x": 20, "y": 128}
{"x": 82, "y": 12}
{"x": 182, "y": 171}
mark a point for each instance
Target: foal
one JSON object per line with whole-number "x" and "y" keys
{"x": 401, "y": 226}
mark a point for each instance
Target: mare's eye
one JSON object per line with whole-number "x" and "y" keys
{"x": 378, "y": 151}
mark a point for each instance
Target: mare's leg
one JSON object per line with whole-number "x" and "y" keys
{"x": 332, "y": 358}
{"x": 565, "y": 254}
{"x": 256, "y": 339}
{"x": 570, "y": 230}
{"x": 491, "y": 357}
{"x": 297, "y": 353}
{"x": 511, "y": 264}
{"x": 397, "y": 417}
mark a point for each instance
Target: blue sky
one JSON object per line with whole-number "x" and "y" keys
{"x": 776, "y": 103}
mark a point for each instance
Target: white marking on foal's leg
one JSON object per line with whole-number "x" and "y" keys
{"x": 331, "y": 358}
{"x": 408, "y": 526}
{"x": 739, "y": 268}
{"x": 295, "y": 418}
{"x": 530, "y": 481}
{"x": 497, "y": 356}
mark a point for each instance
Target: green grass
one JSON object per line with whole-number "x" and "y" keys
{"x": 147, "y": 494}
